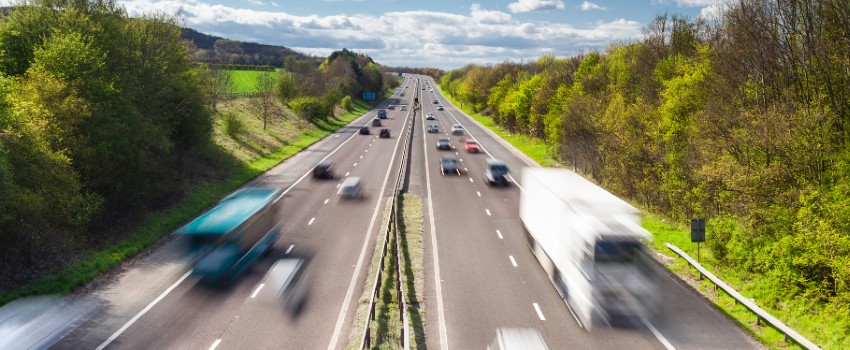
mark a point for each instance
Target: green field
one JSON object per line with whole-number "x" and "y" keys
{"x": 245, "y": 80}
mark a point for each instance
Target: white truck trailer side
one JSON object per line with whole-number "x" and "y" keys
{"x": 589, "y": 243}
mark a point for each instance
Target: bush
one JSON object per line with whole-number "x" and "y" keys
{"x": 232, "y": 124}
{"x": 347, "y": 104}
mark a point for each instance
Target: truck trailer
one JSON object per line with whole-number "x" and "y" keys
{"x": 230, "y": 237}
{"x": 589, "y": 243}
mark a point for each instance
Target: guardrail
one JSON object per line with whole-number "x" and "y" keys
{"x": 761, "y": 315}
{"x": 392, "y": 228}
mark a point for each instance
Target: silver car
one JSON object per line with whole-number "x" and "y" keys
{"x": 449, "y": 165}
{"x": 350, "y": 188}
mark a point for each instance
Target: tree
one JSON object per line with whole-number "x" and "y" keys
{"x": 262, "y": 105}
{"x": 216, "y": 83}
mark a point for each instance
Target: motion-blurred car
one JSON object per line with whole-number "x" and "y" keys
{"x": 376, "y": 122}
{"x": 384, "y": 134}
{"x": 364, "y": 130}
{"x": 440, "y": 107}
{"x": 430, "y": 116}
{"x": 495, "y": 172}
{"x": 288, "y": 278}
{"x": 443, "y": 143}
{"x": 432, "y": 90}
{"x": 449, "y": 165}
{"x": 323, "y": 170}
{"x": 518, "y": 339}
{"x": 403, "y": 107}
{"x": 457, "y": 129}
{"x": 392, "y": 107}
{"x": 382, "y": 114}
{"x": 436, "y": 102}
{"x": 433, "y": 128}
{"x": 471, "y": 146}
{"x": 350, "y": 188}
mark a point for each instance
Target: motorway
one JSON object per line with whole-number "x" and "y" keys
{"x": 480, "y": 274}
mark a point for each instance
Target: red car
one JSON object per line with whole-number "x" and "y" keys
{"x": 471, "y": 146}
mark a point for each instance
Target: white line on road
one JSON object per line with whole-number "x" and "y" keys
{"x": 539, "y": 313}
{"x": 470, "y": 179}
{"x": 215, "y": 344}
{"x": 346, "y": 174}
{"x": 513, "y": 262}
{"x": 479, "y": 193}
{"x": 290, "y": 249}
{"x": 311, "y": 221}
{"x": 256, "y": 291}
{"x": 488, "y": 212}
{"x": 355, "y": 164}
{"x": 657, "y": 334}
{"x": 361, "y": 157}
{"x": 500, "y": 234}
{"x": 326, "y": 200}
{"x": 144, "y": 311}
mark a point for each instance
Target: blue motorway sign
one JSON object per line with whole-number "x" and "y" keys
{"x": 368, "y": 95}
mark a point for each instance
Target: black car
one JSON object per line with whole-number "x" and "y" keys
{"x": 436, "y": 102}
{"x": 384, "y": 134}
{"x": 365, "y": 130}
{"x": 443, "y": 143}
{"x": 323, "y": 170}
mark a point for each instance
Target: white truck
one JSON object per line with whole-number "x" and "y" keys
{"x": 589, "y": 243}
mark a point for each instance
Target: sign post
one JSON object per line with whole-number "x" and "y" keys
{"x": 369, "y": 96}
{"x": 698, "y": 232}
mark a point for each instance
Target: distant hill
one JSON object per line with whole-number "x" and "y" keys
{"x": 213, "y": 49}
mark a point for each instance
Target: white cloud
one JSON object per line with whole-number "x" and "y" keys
{"x": 587, "y": 6}
{"x": 695, "y": 3}
{"x": 256, "y": 2}
{"x": 535, "y": 5}
{"x": 411, "y": 38}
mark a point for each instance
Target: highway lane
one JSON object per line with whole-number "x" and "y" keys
{"x": 490, "y": 279}
{"x": 316, "y": 224}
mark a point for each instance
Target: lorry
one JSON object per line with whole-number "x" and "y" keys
{"x": 230, "y": 237}
{"x": 589, "y": 242}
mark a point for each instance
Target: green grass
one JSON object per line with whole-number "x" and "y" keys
{"x": 533, "y": 148}
{"x": 411, "y": 231}
{"x": 246, "y": 80}
{"x": 157, "y": 224}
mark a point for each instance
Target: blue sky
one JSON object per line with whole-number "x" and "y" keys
{"x": 444, "y": 34}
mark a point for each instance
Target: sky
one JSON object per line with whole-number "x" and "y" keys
{"x": 443, "y": 34}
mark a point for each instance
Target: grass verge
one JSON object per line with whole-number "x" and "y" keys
{"x": 155, "y": 225}
{"x": 411, "y": 233}
{"x": 797, "y": 314}
{"x": 246, "y": 80}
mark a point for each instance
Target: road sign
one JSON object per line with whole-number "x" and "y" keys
{"x": 368, "y": 95}
{"x": 697, "y": 230}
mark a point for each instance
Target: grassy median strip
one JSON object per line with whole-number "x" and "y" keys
{"x": 157, "y": 224}
{"x": 411, "y": 233}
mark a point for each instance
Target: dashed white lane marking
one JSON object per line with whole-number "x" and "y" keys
{"x": 144, "y": 311}
{"x": 361, "y": 157}
{"x": 326, "y": 200}
{"x": 657, "y": 334}
{"x": 257, "y": 291}
{"x": 539, "y": 313}
{"x": 500, "y": 234}
{"x": 513, "y": 262}
{"x": 470, "y": 179}
{"x": 355, "y": 164}
{"x": 367, "y": 151}
{"x": 289, "y": 249}
{"x": 488, "y": 212}
{"x": 465, "y": 169}
{"x": 311, "y": 221}
{"x": 346, "y": 174}
{"x": 215, "y": 344}
{"x": 479, "y": 193}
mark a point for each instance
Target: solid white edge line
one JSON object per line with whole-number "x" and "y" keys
{"x": 289, "y": 249}
{"x": 343, "y": 309}
{"x": 500, "y": 234}
{"x": 256, "y": 291}
{"x": 513, "y": 262}
{"x": 441, "y": 317}
{"x": 539, "y": 313}
{"x": 144, "y": 311}
{"x": 215, "y": 344}
{"x": 311, "y": 221}
{"x": 657, "y": 334}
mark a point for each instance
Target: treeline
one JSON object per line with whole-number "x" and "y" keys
{"x": 261, "y": 68}
{"x": 432, "y": 72}
{"x": 215, "y": 50}
{"x": 98, "y": 113}
{"x": 744, "y": 119}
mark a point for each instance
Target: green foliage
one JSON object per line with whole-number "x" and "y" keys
{"x": 246, "y": 80}
{"x": 346, "y": 103}
{"x": 233, "y": 126}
